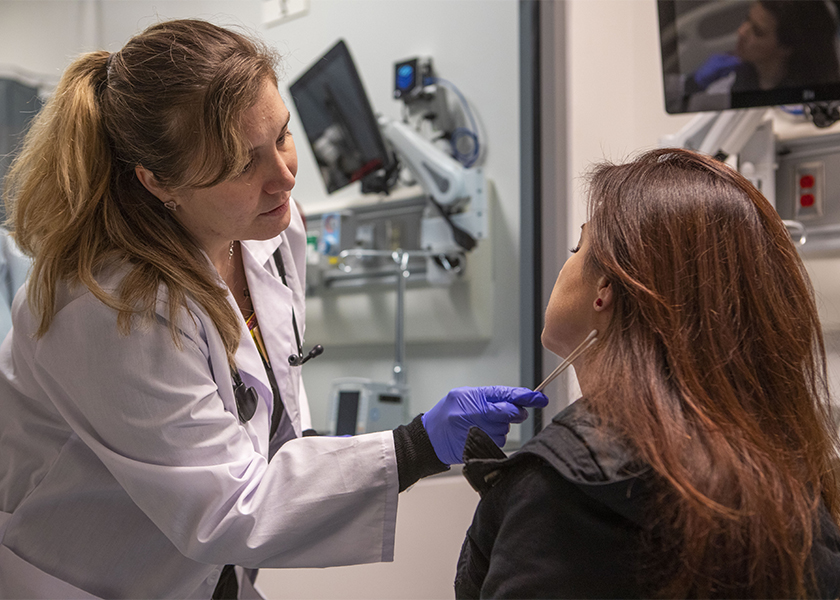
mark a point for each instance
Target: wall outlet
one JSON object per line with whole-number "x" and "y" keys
{"x": 809, "y": 187}
{"x": 275, "y": 12}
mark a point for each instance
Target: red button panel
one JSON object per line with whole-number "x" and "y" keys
{"x": 809, "y": 184}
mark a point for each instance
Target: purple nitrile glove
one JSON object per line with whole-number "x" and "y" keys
{"x": 492, "y": 409}
{"x": 715, "y": 67}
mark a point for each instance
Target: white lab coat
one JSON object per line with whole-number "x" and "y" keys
{"x": 125, "y": 471}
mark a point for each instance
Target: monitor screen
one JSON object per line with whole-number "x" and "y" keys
{"x": 338, "y": 120}
{"x": 720, "y": 54}
{"x": 348, "y": 413}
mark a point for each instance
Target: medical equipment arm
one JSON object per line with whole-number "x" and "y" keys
{"x": 440, "y": 175}
{"x": 448, "y": 183}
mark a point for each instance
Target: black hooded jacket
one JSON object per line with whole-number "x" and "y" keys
{"x": 564, "y": 518}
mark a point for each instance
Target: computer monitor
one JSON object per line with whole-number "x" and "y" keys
{"x": 721, "y": 54}
{"x": 339, "y": 121}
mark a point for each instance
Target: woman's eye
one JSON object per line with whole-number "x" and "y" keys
{"x": 575, "y": 249}
{"x": 282, "y": 139}
{"x": 247, "y": 168}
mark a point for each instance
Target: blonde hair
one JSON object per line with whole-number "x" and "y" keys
{"x": 171, "y": 100}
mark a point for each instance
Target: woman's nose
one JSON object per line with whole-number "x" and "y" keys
{"x": 282, "y": 177}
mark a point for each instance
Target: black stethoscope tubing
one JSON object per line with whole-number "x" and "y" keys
{"x": 299, "y": 359}
{"x": 246, "y": 396}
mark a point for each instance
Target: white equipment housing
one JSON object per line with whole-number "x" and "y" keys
{"x": 361, "y": 405}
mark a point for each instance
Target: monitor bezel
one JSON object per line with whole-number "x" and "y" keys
{"x": 742, "y": 99}
{"x": 341, "y": 50}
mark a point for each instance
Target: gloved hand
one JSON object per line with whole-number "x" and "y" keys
{"x": 492, "y": 409}
{"x": 715, "y": 67}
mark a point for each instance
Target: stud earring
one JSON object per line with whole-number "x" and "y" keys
{"x": 170, "y": 204}
{"x": 599, "y": 302}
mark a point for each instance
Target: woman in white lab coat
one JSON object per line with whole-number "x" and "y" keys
{"x": 153, "y": 430}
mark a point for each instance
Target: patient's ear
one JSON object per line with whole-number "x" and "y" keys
{"x": 147, "y": 178}
{"x": 604, "y": 300}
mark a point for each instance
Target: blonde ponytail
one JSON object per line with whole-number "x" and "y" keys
{"x": 170, "y": 100}
{"x": 56, "y": 185}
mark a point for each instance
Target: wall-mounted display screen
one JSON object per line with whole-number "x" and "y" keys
{"x": 720, "y": 54}
{"x": 338, "y": 120}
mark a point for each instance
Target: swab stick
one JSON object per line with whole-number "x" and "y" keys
{"x": 584, "y": 345}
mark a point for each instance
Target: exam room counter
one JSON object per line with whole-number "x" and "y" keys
{"x": 432, "y": 519}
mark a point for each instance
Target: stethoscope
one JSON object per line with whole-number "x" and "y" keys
{"x": 246, "y": 396}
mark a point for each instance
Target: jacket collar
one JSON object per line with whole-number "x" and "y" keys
{"x": 580, "y": 450}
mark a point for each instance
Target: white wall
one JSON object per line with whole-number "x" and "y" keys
{"x": 616, "y": 105}
{"x": 40, "y": 36}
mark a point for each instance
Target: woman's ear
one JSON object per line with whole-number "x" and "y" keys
{"x": 147, "y": 178}
{"x": 604, "y": 300}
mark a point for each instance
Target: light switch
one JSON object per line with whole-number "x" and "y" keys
{"x": 275, "y": 12}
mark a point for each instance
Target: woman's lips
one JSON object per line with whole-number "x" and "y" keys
{"x": 277, "y": 211}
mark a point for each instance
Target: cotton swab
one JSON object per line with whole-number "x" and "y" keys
{"x": 584, "y": 345}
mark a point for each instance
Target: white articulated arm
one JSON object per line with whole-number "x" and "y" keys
{"x": 441, "y": 176}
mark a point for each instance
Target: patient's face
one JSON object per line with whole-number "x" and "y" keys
{"x": 757, "y": 39}
{"x": 570, "y": 314}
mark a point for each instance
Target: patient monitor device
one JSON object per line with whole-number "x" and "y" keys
{"x": 361, "y": 405}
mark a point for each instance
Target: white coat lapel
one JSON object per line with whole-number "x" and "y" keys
{"x": 249, "y": 362}
{"x": 273, "y": 304}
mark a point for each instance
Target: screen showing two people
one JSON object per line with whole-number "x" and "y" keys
{"x": 720, "y": 54}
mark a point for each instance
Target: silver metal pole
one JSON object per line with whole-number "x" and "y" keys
{"x": 401, "y": 258}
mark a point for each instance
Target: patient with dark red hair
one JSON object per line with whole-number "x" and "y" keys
{"x": 700, "y": 460}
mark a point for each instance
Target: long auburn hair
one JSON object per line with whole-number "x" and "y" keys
{"x": 713, "y": 370}
{"x": 171, "y": 100}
